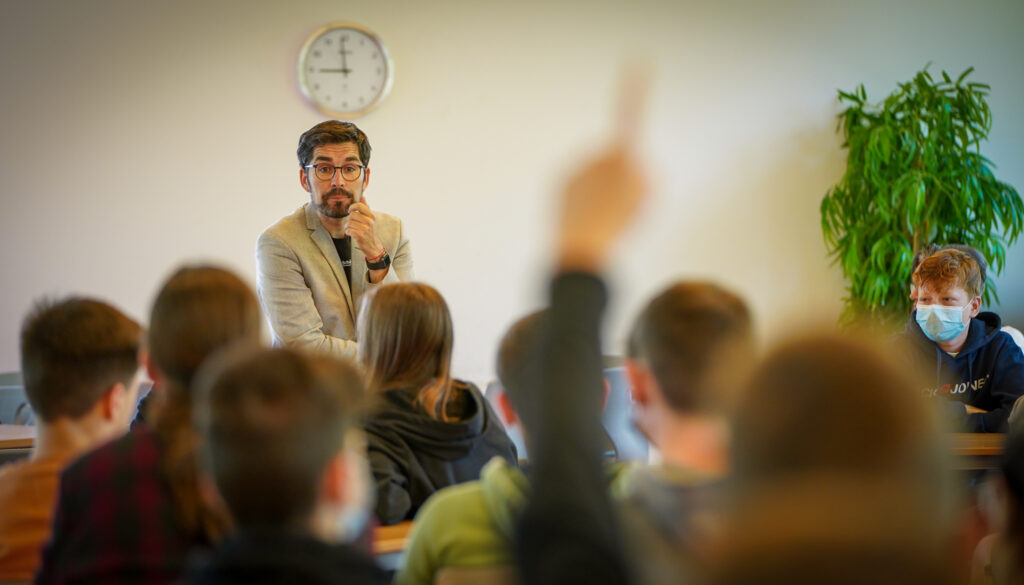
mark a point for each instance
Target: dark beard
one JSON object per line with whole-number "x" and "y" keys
{"x": 335, "y": 209}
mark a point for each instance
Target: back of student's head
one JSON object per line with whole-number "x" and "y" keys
{"x": 405, "y": 341}
{"x": 516, "y": 360}
{"x": 839, "y": 473}
{"x": 684, "y": 334}
{"x": 826, "y": 403}
{"x": 72, "y": 352}
{"x": 271, "y": 420}
{"x": 199, "y": 310}
{"x": 951, "y": 268}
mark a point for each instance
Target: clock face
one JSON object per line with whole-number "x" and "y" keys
{"x": 345, "y": 70}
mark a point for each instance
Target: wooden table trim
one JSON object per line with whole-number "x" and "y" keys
{"x": 17, "y": 436}
{"x": 391, "y": 539}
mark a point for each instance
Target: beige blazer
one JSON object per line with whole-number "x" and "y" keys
{"x": 302, "y": 284}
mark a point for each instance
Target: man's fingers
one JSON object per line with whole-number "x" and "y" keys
{"x": 636, "y": 83}
{"x": 360, "y": 210}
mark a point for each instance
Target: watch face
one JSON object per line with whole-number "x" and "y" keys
{"x": 345, "y": 70}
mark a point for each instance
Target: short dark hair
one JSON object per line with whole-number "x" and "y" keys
{"x": 516, "y": 361}
{"x": 72, "y": 351}
{"x": 683, "y": 332}
{"x": 271, "y": 420}
{"x": 332, "y": 132}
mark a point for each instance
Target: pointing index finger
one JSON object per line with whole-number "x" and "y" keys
{"x": 635, "y": 86}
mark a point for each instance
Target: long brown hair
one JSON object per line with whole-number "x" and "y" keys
{"x": 199, "y": 310}
{"x": 405, "y": 341}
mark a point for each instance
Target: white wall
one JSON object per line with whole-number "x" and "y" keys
{"x": 139, "y": 135}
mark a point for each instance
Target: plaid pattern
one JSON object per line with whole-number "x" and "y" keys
{"x": 115, "y": 520}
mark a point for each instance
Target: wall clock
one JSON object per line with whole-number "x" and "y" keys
{"x": 345, "y": 70}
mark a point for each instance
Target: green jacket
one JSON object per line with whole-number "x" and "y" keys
{"x": 466, "y": 525}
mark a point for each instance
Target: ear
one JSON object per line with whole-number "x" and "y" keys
{"x": 304, "y": 178}
{"x": 508, "y": 414}
{"x": 975, "y": 307}
{"x": 638, "y": 374}
{"x": 334, "y": 480}
{"x": 366, "y": 178}
{"x": 146, "y": 361}
{"x": 114, "y": 402}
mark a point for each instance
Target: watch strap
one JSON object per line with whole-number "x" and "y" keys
{"x": 382, "y": 263}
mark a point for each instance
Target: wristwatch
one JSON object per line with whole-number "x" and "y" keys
{"x": 380, "y": 264}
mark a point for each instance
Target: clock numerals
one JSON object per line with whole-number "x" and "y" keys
{"x": 345, "y": 69}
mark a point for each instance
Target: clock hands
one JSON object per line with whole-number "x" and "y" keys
{"x": 344, "y": 63}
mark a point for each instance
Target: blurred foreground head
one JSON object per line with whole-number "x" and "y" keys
{"x": 199, "y": 310}
{"x": 280, "y": 438}
{"x": 839, "y": 473}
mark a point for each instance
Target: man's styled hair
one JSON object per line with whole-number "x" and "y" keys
{"x": 271, "y": 420}
{"x": 72, "y": 351}
{"x": 405, "y": 341}
{"x": 949, "y": 268}
{"x": 516, "y": 361}
{"x": 332, "y": 132}
{"x": 683, "y": 334}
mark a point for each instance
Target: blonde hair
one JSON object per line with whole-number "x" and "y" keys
{"x": 405, "y": 341}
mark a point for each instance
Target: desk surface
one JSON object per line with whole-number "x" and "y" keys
{"x": 17, "y": 436}
{"x": 391, "y": 539}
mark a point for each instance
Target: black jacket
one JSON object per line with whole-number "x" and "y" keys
{"x": 267, "y": 558}
{"x": 987, "y": 373}
{"x": 413, "y": 455}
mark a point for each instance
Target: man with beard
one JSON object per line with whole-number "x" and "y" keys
{"x": 316, "y": 263}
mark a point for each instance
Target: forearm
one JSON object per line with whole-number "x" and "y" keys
{"x": 567, "y": 533}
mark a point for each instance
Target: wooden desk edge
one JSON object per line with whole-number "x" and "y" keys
{"x": 391, "y": 539}
{"x": 17, "y": 436}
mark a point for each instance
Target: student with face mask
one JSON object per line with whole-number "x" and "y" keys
{"x": 969, "y": 362}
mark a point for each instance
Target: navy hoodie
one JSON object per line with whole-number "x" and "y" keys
{"x": 413, "y": 455}
{"x": 987, "y": 373}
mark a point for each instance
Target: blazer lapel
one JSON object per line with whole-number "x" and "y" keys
{"x": 322, "y": 239}
{"x": 358, "y": 269}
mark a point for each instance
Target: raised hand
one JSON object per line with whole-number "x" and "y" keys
{"x": 604, "y": 194}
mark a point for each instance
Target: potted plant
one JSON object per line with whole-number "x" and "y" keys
{"x": 914, "y": 176}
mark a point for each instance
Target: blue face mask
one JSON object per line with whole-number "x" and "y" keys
{"x": 941, "y": 323}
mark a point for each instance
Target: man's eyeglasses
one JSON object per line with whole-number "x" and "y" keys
{"x": 325, "y": 172}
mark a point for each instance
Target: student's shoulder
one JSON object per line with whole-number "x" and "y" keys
{"x": 135, "y": 452}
